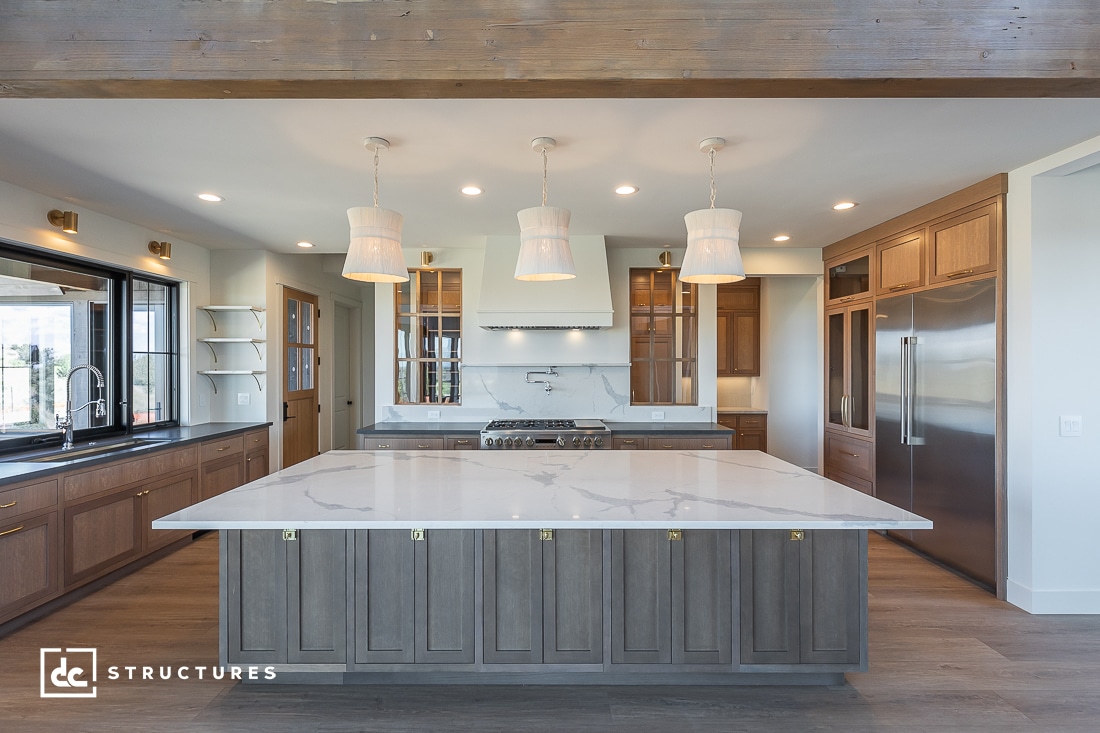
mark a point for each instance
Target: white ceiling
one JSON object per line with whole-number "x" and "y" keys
{"x": 289, "y": 169}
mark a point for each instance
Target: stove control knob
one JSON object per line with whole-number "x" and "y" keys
{"x": 587, "y": 440}
{"x": 576, "y": 440}
{"x": 507, "y": 442}
{"x": 598, "y": 441}
{"x": 561, "y": 442}
{"x": 530, "y": 441}
{"x": 499, "y": 442}
{"x": 488, "y": 442}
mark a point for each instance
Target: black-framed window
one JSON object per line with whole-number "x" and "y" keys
{"x": 58, "y": 313}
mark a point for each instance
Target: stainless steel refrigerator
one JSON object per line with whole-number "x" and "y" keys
{"x": 936, "y": 420}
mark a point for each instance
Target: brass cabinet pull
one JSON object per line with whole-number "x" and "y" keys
{"x": 224, "y": 447}
{"x": 417, "y": 535}
{"x": 707, "y": 445}
{"x": 462, "y": 442}
{"x": 383, "y": 445}
{"x": 666, "y": 445}
{"x": 628, "y": 441}
{"x": 546, "y": 535}
{"x": 845, "y": 300}
{"x": 248, "y": 460}
{"x": 900, "y": 287}
{"x": 797, "y": 535}
{"x": 675, "y": 535}
{"x": 421, "y": 445}
{"x": 12, "y": 531}
{"x": 6, "y": 506}
{"x": 853, "y": 455}
{"x": 960, "y": 273}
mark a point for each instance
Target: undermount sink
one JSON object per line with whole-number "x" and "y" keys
{"x": 86, "y": 451}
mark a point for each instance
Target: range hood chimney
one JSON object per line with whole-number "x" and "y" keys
{"x": 509, "y": 304}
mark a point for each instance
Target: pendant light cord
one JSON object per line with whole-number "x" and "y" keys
{"x": 544, "y": 176}
{"x": 712, "y": 189}
{"x": 376, "y": 180}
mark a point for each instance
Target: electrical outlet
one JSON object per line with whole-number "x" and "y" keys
{"x": 1069, "y": 426}
{"x": 244, "y": 398}
{"x": 657, "y": 415}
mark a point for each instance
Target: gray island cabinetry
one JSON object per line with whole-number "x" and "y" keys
{"x": 545, "y": 567}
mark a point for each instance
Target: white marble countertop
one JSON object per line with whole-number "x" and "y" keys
{"x": 551, "y": 489}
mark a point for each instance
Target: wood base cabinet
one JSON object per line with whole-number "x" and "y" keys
{"x": 524, "y": 606}
{"x": 29, "y": 570}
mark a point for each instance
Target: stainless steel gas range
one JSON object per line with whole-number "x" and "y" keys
{"x": 545, "y": 434}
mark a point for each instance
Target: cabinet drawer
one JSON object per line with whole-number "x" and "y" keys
{"x": 23, "y": 499}
{"x": 720, "y": 442}
{"x": 462, "y": 442}
{"x": 628, "y": 442}
{"x": 848, "y": 455}
{"x": 851, "y": 482}
{"x": 213, "y": 450}
{"x": 403, "y": 444}
{"x": 255, "y": 440}
{"x": 752, "y": 421}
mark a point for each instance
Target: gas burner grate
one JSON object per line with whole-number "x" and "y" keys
{"x": 532, "y": 425}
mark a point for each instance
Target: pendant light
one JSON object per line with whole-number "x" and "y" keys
{"x": 374, "y": 254}
{"x": 712, "y": 253}
{"x": 544, "y": 234}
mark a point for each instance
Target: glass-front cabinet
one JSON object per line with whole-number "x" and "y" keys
{"x": 429, "y": 337}
{"x": 849, "y": 277}
{"x": 663, "y": 338}
{"x": 848, "y": 353}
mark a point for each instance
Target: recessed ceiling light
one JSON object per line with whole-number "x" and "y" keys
{"x": 781, "y": 238}
{"x": 843, "y": 205}
{"x": 210, "y": 197}
{"x": 472, "y": 190}
{"x": 626, "y": 190}
{"x": 305, "y": 245}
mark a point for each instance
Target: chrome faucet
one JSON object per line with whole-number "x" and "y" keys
{"x": 549, "y": 372}
{"x": 66, "y": 423}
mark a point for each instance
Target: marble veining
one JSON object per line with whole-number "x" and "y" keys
{"x": 535, "y": 489}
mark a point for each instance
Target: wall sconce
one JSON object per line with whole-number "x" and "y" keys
{"x": 162, "y": 250}
{"x": 426, "y": 259}
{"x": 65, "y": 219}
{"x": 665, "y": 259}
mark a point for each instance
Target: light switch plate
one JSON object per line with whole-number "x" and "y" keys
{"x": 433, "y": 414}
{"x": 243, "y": 398}
{"x": 1069, "y": 426}
{"x": 657, "y": 415}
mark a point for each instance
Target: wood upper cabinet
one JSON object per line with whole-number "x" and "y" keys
{"x": 849, "y": 277}
{"x": 738, "y": 324}
{"x": 899, "y": 263}
{"x": 965, "y": 245}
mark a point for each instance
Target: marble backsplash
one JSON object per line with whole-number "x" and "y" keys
{"x": 596, "y": 392}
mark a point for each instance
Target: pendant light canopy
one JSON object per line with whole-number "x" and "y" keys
{"x": 374, "y": 254}
{"x": 713, "y": 254}
{"x": 544, "y": 234}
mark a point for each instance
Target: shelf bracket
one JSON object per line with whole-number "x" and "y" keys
{"x": 212, "y": 384}
{"x": 212, "y": 321}
{"x": 256, "y": 346}
{"x": 258, "y": 385}
{"x": 211, "y": 347}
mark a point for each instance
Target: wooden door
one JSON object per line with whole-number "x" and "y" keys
{"x": 300, "y": 360}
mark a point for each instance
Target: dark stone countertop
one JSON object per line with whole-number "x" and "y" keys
{"x": 13, "y": 470}
{"x": 397, "y": 429}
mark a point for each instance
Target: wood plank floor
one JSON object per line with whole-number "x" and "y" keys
{"x": 944, "y": 656}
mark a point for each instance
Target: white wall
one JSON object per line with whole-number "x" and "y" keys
{"x": 1052, "y": 353}
{"x": 111, "y": 241}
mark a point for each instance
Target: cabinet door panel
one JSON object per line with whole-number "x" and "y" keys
{"x": 702, "y": 612}
{"x": 573, "y": 597}
{"x": 445, "y": 597}
{"x": 513, "y": 596}
{"x": 641, "y": 624}
{"x": 769, "y": 597}
{"x": 964, "y": 246}
{"x": 100, "y": 534}
{"x": 384, "y": 596}
{"x": 745, "y": 346}
{"x": 256, "y": 465}
{"x": 830, "y": 596}
{"x": 221, "y": 476}
{"x": 256, "y": 612}
{"x": 317, "y": 606}
{"x": 29, "y": 570}
{"x": 725, "y": 367}
{"x": 165, "y": 497}
{"x": 900, "y": 264}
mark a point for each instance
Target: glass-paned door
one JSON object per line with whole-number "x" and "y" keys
{"x": 300, "y": 399}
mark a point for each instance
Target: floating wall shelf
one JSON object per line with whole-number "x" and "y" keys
{"x": 232, "y": 340}
{"x": 211, "y": 373}
{"x": 212, "y": 309}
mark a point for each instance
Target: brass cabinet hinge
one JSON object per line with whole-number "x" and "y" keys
{"x": 797, "y": 535}
{"x": 290, "y": 535}
{"x": 546, "y": 535}
{"x": 417, "y": 535}
{"x": 675, "y": 535}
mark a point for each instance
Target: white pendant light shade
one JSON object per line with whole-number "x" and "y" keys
{"x": 544, "y": 245}
{"x": 374, "y": 254}
{"x": 713, "y": 255}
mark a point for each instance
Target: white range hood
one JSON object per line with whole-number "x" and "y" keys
{"x": 509, "y": 304}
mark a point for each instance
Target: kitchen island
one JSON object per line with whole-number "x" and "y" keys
{"x": 604, "y": 567}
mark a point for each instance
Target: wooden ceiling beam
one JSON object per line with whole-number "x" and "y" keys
{"x": 533, "y": 48}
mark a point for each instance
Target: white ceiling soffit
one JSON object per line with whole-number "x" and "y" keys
{"x": 289, "y": 169}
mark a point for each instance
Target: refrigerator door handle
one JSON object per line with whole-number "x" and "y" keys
{"x": 903, "y": 418}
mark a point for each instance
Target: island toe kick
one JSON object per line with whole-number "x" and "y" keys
{"x": 546, "y": 606}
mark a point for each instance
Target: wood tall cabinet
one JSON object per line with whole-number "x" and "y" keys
{"x": 738, "y": 325}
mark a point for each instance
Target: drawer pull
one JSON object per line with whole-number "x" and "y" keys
{"x": 224, "y": 447}
{"x": 6, "y": 506}
{"x": 383, "y": 445}
{"x": 707, "y": 445}
{"x": 900, "y": 287}
{"x": 421, "y": 445}
{"x": 853, "y": 455}
{"x": 462, "y": 442}
{"x": 628, "y": 442}
{"x": 12, "y": 531}
{"x": 960, "y": 273}
{"x": 665, "y": 445}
